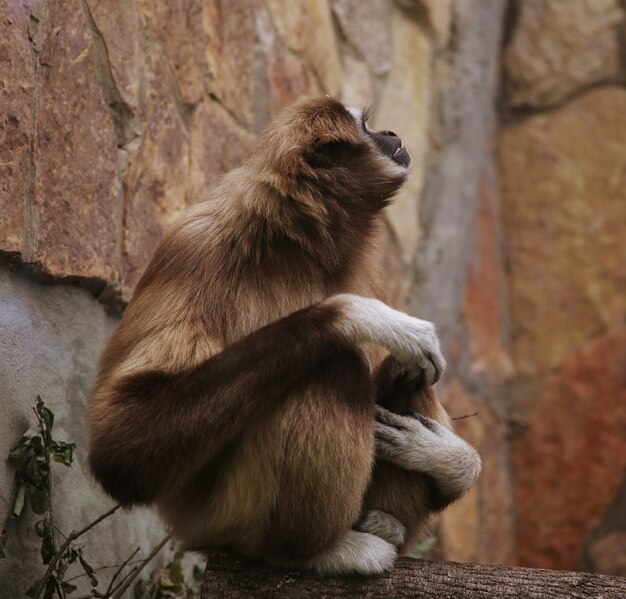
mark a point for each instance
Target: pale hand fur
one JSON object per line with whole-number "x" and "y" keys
{"x": 423, "y": 445}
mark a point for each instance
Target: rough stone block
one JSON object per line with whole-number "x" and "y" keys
{"x": 479, "y": 527}
{"x": 570, "y": 462}
{"x": 307, "y": 27}
{"x": 365, "y": 24}
{"x": 76, "y": 209}
{"x": 16, "y": 123}
{"x": 218, "y": 144}
{"x": 483, "y": 306}
{"x": 288, "y": 78}
{"x": 51, "y": 338}
{"x": 404, "y": 107}
{"x": 560, "y": 46}
{"x": 117, "y": 22}
{"x": 156, "y": 182}
{"x": 437, "y": 14}
{"x": 563, "y": 183}
{"x": 357, "y": 84}
{"x": 181, "y": 30}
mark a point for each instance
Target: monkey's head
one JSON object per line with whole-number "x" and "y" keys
{"x": 319, "y": 145}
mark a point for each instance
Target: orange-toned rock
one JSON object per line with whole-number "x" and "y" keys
{"x": 218, "y": 144}
{"x": 563, "y": 188}
{"x": 404, "y": 107}
{"x": 117, "y": 22}
{"x": 357, "y": 83}
{"x": 77, "y": 206}
{"x": 365, "y": 23}
{"x": 483, "y": 310}
{"x": 306, "y": 26}
{"x": 397, "y": 276}
{"x": 16, "y": 123}
{"x": 288, "y": 78}
{"x": 156, "y": 182}
{"x": 570, "y": 461}
{"x": 210, "y": 45}
{"x": 181, "y": 29}
{"x": 237, "y": 59}
{"x": 436, "y": 13}
{"x": 560, "y": 46}
{"x": 479, "y": 527}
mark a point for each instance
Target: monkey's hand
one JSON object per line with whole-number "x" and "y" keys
{"x": 423, "y": 445}
{"x": 413, "y": 341}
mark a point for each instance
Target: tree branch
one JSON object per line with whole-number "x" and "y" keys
{"x": 232, "y": 577}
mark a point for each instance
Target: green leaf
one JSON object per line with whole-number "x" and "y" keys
{"x": 71, "y": 554}
{"x": 62, "y": 452}
{"x": 46, "y": 419}
{"x": 39, "y": 500}
{"x": 51, "y": 587}
{"x": 68, "y": 587}
{"x": 88, "y": 569}
{"x": 47, "y": 543}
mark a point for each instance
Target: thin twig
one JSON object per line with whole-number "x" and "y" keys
{"x": 466, "y": 416}
{"x": 119, "y": 591}
{"x": 99, "y": 519}
{"x": 118, "y": 572}
{"x": 137, "y": 561}
{"x": 70, "y": 538}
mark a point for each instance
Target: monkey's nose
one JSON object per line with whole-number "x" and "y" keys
{"x": 388, "y": 133}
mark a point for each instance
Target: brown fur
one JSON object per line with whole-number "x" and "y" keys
{"x": 411, "y": 497}
{"x": 228, "y": 396}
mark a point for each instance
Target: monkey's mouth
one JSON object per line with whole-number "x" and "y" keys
{"x": 401, "y": 156}
{"x": 391, "y": 146}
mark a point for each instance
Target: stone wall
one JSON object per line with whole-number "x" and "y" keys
{"x": 115, "y": 116}
{"x": 563, "y": 179}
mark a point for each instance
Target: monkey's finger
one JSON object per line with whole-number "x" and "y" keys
{"x": 385, "y": 433}
{"x": 429, "y": 423}
{"x": 389, "y": 418}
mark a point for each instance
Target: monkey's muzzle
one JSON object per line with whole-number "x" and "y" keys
{"x": 391, "y": 145}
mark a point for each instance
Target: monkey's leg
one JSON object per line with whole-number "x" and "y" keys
{"x": 325, "y": 471}
{"x": 145, "y": 423}
{"x": 423, "y": 445}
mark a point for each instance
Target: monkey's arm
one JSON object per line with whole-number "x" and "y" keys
{"x": 145, "y": 424}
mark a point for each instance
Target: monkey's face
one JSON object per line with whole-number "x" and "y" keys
{"x": 321, "y": 144}
{"x": 387, "y": 142}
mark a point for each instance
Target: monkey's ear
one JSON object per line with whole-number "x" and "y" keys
{"x": 329, "y": 154}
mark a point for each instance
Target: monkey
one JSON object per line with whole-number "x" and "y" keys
{"x": 238, "y": 393}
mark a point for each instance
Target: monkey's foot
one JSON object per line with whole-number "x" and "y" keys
{"x": 355, "y": 553}
{"x": 383, "y": 525}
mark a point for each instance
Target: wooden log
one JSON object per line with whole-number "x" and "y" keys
{"x": 229, "y": 576}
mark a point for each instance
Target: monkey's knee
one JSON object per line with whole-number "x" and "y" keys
{"x": 346, "y": 376}
{"x": 463, "y": 467}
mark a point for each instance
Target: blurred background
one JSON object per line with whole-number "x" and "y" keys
{"x": 510, "y": 235}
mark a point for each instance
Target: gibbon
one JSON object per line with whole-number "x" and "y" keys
{"x": 238, "y": 393}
